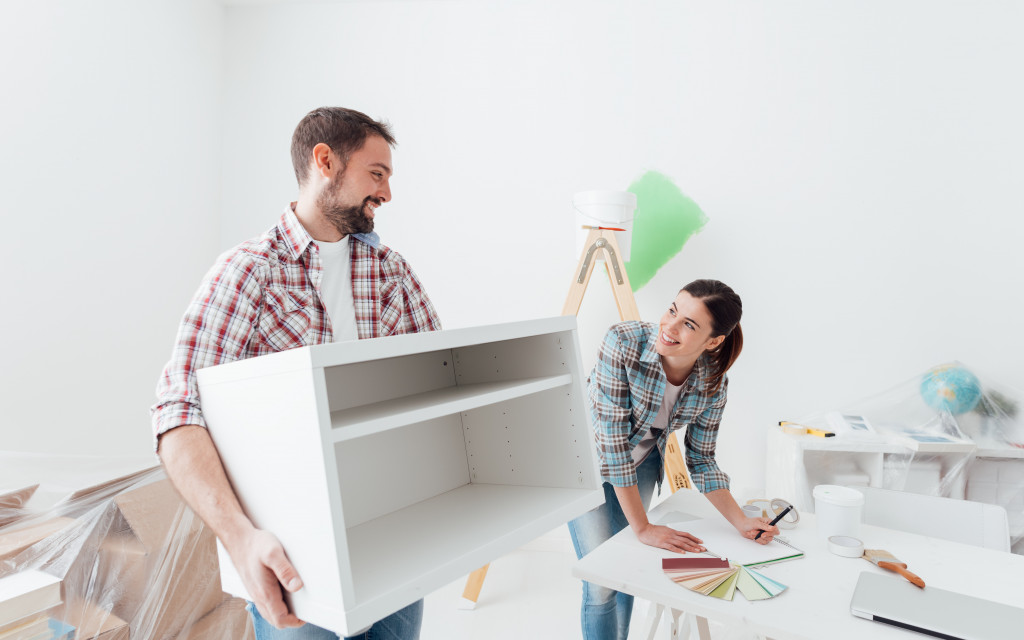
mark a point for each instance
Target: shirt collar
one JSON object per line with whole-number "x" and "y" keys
{"x": 650, "y": 355}
{"x": 298, "y": 239}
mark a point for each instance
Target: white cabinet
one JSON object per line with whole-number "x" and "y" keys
{"x": 390, "y": 467}
{"x": 994, "y": 475}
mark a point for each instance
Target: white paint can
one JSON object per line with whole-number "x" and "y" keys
{"x": 609, "y": 209}
{"x": 837, "y": 510}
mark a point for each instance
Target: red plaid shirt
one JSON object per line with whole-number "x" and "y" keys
{"x": 264, "y": 296}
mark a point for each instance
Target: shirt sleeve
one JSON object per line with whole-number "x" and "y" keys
{"x": 610, "y": 409}
{"x": 419, "y": 313}
{"x": 701, "y": 439}
{"x": 216, "y": 328}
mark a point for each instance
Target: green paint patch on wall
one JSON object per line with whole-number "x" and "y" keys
{"x": 665, "y": 219}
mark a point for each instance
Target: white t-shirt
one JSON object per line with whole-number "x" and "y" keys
{"x": 645, "y": 446}
{"x": 336, "y": 288}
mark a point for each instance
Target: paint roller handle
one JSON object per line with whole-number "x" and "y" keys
{"x": 902, "y": 570}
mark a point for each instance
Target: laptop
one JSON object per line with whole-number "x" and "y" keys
{"x": 935, "y": 612}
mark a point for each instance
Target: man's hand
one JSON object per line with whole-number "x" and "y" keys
{"x": 193, "y": 465}
{"x": 264, "y": 568}
{"x": 668, "y": 538}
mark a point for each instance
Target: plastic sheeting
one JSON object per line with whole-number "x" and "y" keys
{"x": 132, "y": 559}
{"x": 949, "y": 432}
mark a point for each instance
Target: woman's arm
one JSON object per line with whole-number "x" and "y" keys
{"x": 652, "y": 534}
{"x": 748, "y": 527}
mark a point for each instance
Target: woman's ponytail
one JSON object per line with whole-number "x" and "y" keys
{"x": 726, "y": 309}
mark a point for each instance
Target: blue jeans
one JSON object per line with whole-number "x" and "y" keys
{"x": 404, "y": 624}
{"x": 605, "y": 613}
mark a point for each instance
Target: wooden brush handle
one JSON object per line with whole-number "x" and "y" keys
{"x": 902, "y": 570}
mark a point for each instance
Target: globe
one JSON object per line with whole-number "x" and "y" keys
{"x": 952, "y": 388}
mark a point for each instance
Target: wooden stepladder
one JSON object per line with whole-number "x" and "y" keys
{"x": 600, "y": 240}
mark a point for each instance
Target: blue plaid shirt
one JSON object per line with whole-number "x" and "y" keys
{"x": 626, "y": 389}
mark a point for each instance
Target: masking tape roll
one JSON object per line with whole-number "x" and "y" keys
{"x": 794, "y": 431}
{"x": 778, "y": 505}
{"x": 846, "y": 546}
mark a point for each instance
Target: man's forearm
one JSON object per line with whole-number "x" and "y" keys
{"x": 194, "y": 467}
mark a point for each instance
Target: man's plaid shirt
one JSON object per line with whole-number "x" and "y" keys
{"x": 263, "y": 296}
{"x": 626, "y": 390}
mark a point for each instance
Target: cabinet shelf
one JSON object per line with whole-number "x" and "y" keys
{"x": 389, "y": 467}
{"x": 389, "y": 414}
{"x": 433, "y": 540}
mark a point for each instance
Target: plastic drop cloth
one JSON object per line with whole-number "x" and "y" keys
{"x": 949, "y": 432}
{"x": 132, "y": 559}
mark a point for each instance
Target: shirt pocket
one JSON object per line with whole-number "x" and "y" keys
{"x": 287, "y": 319}
{"x": 392, "y": 306}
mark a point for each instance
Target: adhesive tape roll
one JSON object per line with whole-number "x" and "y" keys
{"x": 846, "y": 546}
{"x": 790, "y": 519}
{"x": 794, "y": 431}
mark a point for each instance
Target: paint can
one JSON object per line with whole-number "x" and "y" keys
{"x": 610, "y": 209}
{"x": 837, "y": 510}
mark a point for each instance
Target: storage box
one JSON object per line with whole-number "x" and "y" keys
{"x": 92, "y": 622}
{"x": 154, "y": 565}
{"x": 12, "y": 503}
{"x": 13, "y": 543}
{"x": 390, "y": 467}
{"x": 229, "y": 620}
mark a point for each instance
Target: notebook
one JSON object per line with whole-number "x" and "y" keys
{"x": 935, "y": 612}
{"x": 723, "y": 541}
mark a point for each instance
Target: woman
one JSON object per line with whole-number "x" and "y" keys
{"x": 649, "y": 380}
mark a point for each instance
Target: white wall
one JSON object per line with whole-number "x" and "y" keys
{"x": 859, "y": 162}
{"x": 110, "y": 122}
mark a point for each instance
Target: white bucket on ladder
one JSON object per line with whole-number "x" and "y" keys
{"x": 610, "y": 209}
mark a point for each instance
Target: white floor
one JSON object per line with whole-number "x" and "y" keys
{"x": 529, "y": 593}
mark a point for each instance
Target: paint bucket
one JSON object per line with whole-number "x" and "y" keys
{"x": 837, "y": 510}
{"x": 605, "y": 209}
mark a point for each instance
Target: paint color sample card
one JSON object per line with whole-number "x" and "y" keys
{"x": 720, "y": 579}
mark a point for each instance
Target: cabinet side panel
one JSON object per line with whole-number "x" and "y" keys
{"x": 359, "y": 383}
{"x": 268, "y": 434}
{"x": 393, "y": 469}
{"x": 541, "y": 355}
{"x": 540, "y": 440}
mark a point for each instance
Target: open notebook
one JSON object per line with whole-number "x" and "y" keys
{"x": 723, "y": 541}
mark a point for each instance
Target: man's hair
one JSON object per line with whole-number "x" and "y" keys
{"x": 343, "y": 130}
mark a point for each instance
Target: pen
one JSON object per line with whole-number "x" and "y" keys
{"x": 775, "y": 521}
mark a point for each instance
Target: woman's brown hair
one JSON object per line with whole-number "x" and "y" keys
{"x": 725, "y": 308}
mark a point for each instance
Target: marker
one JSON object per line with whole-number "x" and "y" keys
{"x": 775, "y": 521}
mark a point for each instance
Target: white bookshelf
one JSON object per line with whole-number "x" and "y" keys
{"x": 390, "y": 467}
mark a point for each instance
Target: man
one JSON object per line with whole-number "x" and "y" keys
{"x": 320, "y": 275}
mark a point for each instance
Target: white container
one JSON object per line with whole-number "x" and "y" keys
{"x": 752, "y": 511}
{"x": 605, "y": 209}
{"x": 837, "y": 510}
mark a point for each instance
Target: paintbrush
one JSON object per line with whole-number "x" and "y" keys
{"x": 886, "y": 560}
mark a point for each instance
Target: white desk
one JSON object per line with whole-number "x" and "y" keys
{"x": 817, "y": 603}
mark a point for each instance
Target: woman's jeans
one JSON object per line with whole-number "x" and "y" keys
{"x": 605, "y": 613}
{"x": 401, "y": 625}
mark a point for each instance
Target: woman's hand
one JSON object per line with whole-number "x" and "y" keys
{"x": 749, "y": 528}
{"x": 670, "y": 539}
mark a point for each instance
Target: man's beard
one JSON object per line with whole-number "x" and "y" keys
{"x": 345, "y": 218}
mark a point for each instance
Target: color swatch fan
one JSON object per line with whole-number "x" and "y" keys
{"x": 718, "y": 578}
